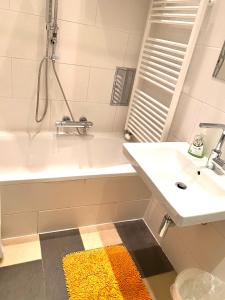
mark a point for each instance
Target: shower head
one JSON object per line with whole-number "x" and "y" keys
{"x": 49, "y": 11}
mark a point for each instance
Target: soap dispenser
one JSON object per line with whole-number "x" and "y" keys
{"x": 197, "y": 147}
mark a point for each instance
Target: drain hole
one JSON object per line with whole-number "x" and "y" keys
{"x": 181, "y": 185}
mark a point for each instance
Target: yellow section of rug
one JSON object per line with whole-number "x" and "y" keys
{"x": 103, "y": 274}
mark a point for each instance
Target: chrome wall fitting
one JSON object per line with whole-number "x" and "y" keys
{"x": 67, "y": 125}
{"x": 165, "y": 224}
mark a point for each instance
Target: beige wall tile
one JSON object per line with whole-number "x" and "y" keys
{"x": 108, "y": 47}
{"x": 199, "y": 83}
{"x": 100, "y": 85}
{"x": 24, "y": 71}
{"x": 185, "y": 118}
{"x": 21, "y": 114}
{"x": 211, "y": 33}
{"x": 131, "y": 210}
{"x": 19, "y": 224}
{"x": 29, "y": 6}
{"x": 80, "y": 11}
{"x": 116, "y": 189}
{"x": 18, "y": 39}
{"x": 45, "y": 196}
{"x": 4, "y": 3}
{"x": 120, "y": 118}
{"x": 5, "y": 77}
{"x": 74, "y": 80}
{"x": 76, "y": 217}
{"x": 133, "y": 50}
{"x": 126, "y": 15}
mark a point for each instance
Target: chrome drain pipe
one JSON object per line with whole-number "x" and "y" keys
{"x": 165, "y": 224}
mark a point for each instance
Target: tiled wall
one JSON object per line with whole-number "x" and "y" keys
{"x": 51, "y": 206}
{"x": 202, "y": 100}
{"x": 95, "y": 36}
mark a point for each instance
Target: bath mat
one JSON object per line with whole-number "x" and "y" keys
{"x": 103, "y": 274}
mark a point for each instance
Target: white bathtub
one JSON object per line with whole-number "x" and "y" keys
{"x": 47, "y": 157}
{"x": 50, "y": 182}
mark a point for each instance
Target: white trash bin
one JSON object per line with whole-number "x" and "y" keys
{"x": 195, "y": 284}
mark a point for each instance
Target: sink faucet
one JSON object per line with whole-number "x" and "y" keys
{"x": 214, "y": 161}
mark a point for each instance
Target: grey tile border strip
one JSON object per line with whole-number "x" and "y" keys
{"x": 54, "y": 246}
{"x": 23, "y": 282}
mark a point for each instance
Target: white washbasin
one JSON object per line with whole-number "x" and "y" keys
{"x": 162, "y": 165}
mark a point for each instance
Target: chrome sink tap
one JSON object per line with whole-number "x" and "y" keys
{"x": 215, "y": 162}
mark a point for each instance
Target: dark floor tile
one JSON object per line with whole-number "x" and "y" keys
{"x": 135, "y": 235}
{"x": 144, "y": 249}
{"x": 22, "y": 282}
{"x": 53, "y": 247}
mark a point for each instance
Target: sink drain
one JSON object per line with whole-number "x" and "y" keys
{"x": 181, "y": 185}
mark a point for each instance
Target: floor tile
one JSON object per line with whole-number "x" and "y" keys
{"x": 90, "y": 237}
{"x": 109, "y": 235}
{"x": 159, "y": 285}
{"x": 22, "y": 282}
{"x": 54, "y": 246}
{"x": 21, "y": 250}
{"x": 146, "y": 253}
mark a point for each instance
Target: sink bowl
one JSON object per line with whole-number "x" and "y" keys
{"x": 191, "y": 193}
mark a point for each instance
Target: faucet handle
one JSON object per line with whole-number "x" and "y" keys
{"x": 212, "y": 125}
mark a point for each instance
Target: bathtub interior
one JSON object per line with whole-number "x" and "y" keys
{"x": 47, "y": 156}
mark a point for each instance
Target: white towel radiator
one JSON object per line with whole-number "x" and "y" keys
{"x": 170, "y": 36}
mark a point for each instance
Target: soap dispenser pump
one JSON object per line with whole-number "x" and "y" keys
{"x": 197, "y": 147}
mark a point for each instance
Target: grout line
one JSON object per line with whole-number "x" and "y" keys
{"x": 94, "y": 25}
{"x": 202, "y": 102}
{"x": 96, "y": 12}
{"x": 107, "y": 223}
{"x": 88, "y": 84}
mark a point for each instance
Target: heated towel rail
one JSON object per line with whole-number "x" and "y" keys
{"x": 171, "y": 33}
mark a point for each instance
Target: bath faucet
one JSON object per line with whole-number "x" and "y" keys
{"x": 215, "y": 162}
{"x": 81, "y": 126}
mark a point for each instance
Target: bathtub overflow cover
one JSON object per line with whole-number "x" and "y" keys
{"x": 181, "y": 185}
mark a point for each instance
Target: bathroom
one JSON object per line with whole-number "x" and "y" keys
{"x": 69, "y": 186}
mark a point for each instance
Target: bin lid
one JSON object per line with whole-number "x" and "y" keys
{"x": 195, "y": 284}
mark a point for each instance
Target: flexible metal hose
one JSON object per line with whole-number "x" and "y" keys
{"x": 64, "y": 96}
{"x": 37, "y": 119}
{"x": 62, "y": 91}
{"x": 46, "y": 60}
